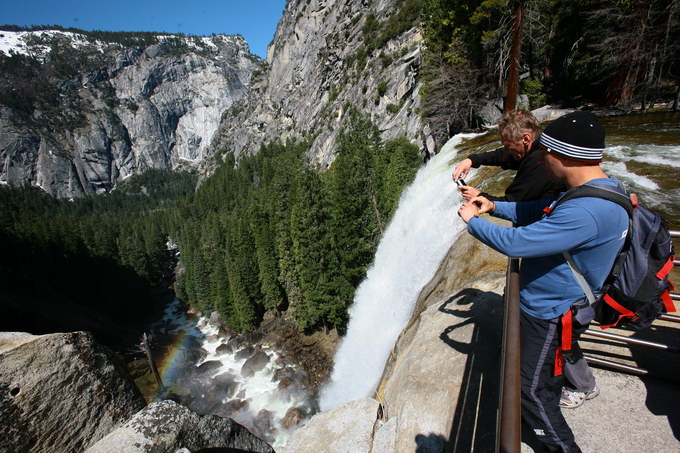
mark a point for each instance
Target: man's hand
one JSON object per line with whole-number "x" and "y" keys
{"x": 462, "y": 170}
{"x": 468, "y": 192}
{"x": 475, "y": 207}
{"x": 483, "y": 204}
{"x": 467, "y": 211}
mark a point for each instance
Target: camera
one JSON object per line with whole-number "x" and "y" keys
{"x": 460, "y": 182}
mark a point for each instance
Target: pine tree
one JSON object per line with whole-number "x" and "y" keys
{"x": 356, "y": 214}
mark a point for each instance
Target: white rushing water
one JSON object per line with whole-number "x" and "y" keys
{"x": 269, "y": 398}
{"x": 420, "y": 234}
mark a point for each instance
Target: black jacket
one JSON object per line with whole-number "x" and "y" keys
{"x": 531, "y": 181}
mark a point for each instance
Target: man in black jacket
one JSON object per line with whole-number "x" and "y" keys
{"x": 519, "y": 132}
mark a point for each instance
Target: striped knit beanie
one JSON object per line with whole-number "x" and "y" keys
{"x": 577, "y": 136}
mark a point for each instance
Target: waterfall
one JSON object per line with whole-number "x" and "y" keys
{"x": 420, "y": 234}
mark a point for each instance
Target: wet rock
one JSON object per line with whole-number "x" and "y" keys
{"x": 234, "y": 343}
{"x": 290, "y": 378}
{"x": 210, "y": 365}
{"x": 293, "y": 417}
{"x": 244, "y": 353}
{"x": 234, "y": 405}
{"x": 255, "y": 363}
{"x": 167, "y": 427}
{"x": 225, "y": 332}
{"x": 285, "y": 383}
{"x": 273, "y": 339}
{"x": 223, "y": 386}
{"x": 263, "y": 425}
{"x": 194, "y": 355}
{"x": 207, "y": 405}
{"x": 227, "y": 348}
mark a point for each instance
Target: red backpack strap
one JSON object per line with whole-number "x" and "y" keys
{"x": 666, "y": 269}
{"x": 666, "y": 298}
{"x": 565, "y": 342}
{"x": 623, "y": 311}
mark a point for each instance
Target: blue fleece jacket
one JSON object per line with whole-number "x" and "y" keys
{"x": 591, "y": 229}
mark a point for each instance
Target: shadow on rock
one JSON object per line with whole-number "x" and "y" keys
{"x": 663, "y": 369}
{"x": 474, "y": 422}
{"x": 431, "y": 443}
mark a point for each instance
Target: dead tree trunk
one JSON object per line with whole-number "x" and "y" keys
{"x": 515, "y": 54}
{"x": 152, "y": 363}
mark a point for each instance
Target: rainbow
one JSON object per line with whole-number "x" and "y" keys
{"x": 169, "y": 363}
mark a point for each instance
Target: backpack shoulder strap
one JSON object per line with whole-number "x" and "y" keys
{"x": 614, "y": 194}
{"x": 579, "y": 278}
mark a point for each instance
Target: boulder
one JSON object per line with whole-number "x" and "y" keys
{"x": 166, "y": 426}
{"x": 209, "y": 366}
{"x": 226, "y": 348}
{"x": 491, "y": 112}
{"x": 264, "y": 425}
{"x": 60, "y": 392}
{"x": 255, "y": 363}
{"x": 346, "y": 428}
{"x": 244, "y": 353}
{"x": 293, "y": 417}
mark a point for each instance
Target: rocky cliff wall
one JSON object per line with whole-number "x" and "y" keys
{"x": 181, "y": 100}
{"x": 127, "y": 110}
{"x": 319, "y": 66}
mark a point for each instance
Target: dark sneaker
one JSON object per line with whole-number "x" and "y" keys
{"x": 571, "y": 399}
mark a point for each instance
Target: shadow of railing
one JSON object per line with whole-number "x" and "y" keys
{"x": 473, "y": 426}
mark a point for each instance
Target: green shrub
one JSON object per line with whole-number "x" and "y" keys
{"x": 382, "y": 88}
{"x": 533, "y": 88}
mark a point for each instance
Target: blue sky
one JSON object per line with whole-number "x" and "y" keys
{"x": 255, "y": 20}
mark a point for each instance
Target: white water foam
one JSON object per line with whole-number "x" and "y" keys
{"x": 656, "y": 155}
{"x": 261, "y": 391}
{"x": 630, "y": 180}
{"x": 261, "y": 400}
{"x": 423, "y": 229}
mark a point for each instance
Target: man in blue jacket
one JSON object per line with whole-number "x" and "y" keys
{"x": 592, "y": 230}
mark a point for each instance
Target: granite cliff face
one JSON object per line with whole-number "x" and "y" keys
{"x": 327, "y": 56}
{"x": 178, "y": 101}
{"x": 126, "y": 109}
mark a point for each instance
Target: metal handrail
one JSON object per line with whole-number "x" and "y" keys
{"x": 631, "y": 340}
{"x": 671, "y": 318}
{"x": 509, "y": 428}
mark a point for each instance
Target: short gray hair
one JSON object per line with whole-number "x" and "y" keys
{"x": 514, "y": 124}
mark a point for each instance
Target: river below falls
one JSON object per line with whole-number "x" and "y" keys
{"x": 212, "y": 372}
